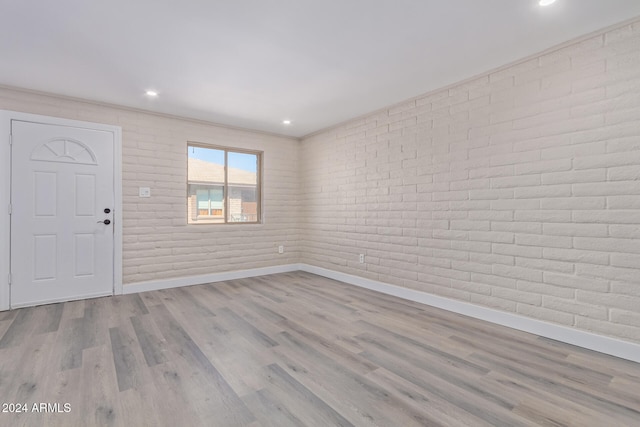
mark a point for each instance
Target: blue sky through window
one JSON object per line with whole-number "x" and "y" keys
{"x": 241, "y": 161}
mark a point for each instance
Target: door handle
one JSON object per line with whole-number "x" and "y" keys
{"x": 105, "y": 222}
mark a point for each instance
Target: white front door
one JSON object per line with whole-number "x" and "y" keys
{"x": 62, "y": 198}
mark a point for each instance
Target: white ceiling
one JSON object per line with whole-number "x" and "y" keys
{"x": 253, "y": 63}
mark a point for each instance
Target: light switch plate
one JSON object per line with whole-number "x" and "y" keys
{"x": 144, "y": 192}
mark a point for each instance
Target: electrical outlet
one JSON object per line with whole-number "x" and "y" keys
{"x": 361, "y": 258}
{"x": 281, "y": 249}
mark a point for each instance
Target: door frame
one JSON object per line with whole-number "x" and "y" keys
{"x": 5, "y": 194}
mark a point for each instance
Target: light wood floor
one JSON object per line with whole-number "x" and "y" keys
{"x": 292, "y": 350}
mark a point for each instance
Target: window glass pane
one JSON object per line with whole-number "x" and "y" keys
{"x": 203, "y": 201}
{"x": 242, "y": 179}
{"x": 217, "y": 194}
{"x": 243, "y": 166}
{"x": 216, "y": 198}
{"x": 205, "y": 174}
{"x": 206, "y": 165}
{"x": 249, "y": 204}
{"x": 222, "y": 185}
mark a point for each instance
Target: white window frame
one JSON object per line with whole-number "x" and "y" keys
{"x": 226, "y": 193}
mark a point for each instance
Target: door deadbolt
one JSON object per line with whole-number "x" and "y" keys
{"x": 105, "y": 222}
{"x": 107, "y": 210}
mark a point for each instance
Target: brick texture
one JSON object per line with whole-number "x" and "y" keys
{"x": 157, "y": 242}
{"x": 518, "y": 190}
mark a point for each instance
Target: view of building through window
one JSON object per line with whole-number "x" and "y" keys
{"x": 223, "y": 185}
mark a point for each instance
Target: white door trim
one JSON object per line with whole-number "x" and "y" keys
{"x": 5, "y": 192}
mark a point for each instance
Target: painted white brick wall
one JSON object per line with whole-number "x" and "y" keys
{"x": 157, "y": 242}
{"x": 517, "y": 190}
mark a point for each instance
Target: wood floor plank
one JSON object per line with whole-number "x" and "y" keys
{"x": 237, "y": 358}
{"x": 23, "y": 370}
{"x": 8, "y": 315}
{"x": 616, "y": 367}
{"x": 219, "y": 291}
{"x": 223, "y": 397}
{"x": 436, "y": 410}
{"x": 559, "y": 369}
{"x": 261, "y": 287}
{"x": 460, "y": 376}
{"x": 25, "y": 321}
{"x": 462, "y": 399}
{"x": 331, "y": 348}
{"x": 591, "y": 397}
{"x": 152, "y": 345}
{"x": 195, "y": 303}
{"x": 51, "y": 318}
{"x": 172, "y": 398}
{"x": 127, "y": 358}
{"x": 537, "y": 403}
{"x": 329, "y": 378}
{"x": 151, "y": 298}
{"x": 317, "y": 411}
{"x": 208, "y": 299}
{"x": 415, "y": 346}
{"x": 137, "y": 410}
{"x": 5, "y": 325}
{"x": 296, "y": 349}
{"x": 99, "y": 382}
{"x": 270, "y": 411}
{"x": 72, "y": 310}
{"x": 63, "y": 388}
{"x": 256, "y": 314}
{"x": 74, "y": 338}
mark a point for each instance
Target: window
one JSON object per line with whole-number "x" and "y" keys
{"x": 223, "y": 185}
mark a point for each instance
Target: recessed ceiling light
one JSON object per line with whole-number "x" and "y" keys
{"x": 152, "y": 93}
{"x": 546, "y": 2}
{"x": 286, "y": 122}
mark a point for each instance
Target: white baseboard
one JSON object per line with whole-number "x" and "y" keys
{"x": 177, "y": 282}
{"x": 612, "y": 346}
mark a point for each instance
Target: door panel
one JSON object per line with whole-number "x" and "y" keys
{"x": 45, "y": 257}
{"x": 62, "y": 180}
